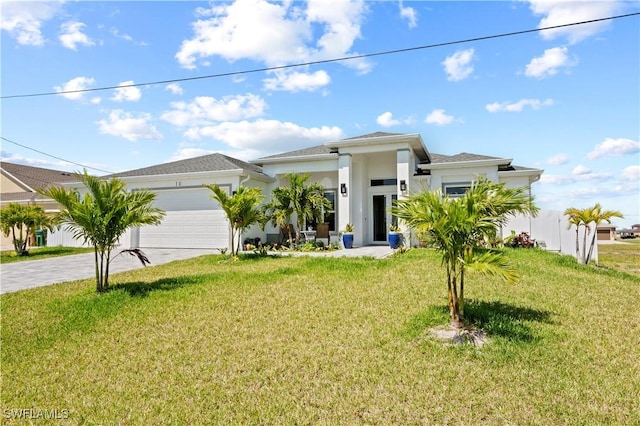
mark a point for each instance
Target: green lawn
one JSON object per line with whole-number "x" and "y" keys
{"x": 325, "y": 341}
{"x": 9, "y": 256}
{"x": 623, "y": 256}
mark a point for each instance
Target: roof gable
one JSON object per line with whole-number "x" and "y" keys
{"x": 35, "y": 178}
{"x": 206, "y": 163}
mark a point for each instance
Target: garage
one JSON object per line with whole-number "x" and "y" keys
{"x": 193, "y": 220}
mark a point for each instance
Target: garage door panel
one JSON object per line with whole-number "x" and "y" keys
{"x": 187, "y": 229}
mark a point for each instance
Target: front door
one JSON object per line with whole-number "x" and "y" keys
{"x": 381, "y": 206}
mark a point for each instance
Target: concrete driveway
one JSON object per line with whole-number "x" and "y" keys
{"x": 37, "y": 273}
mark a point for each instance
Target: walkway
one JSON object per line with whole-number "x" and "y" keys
{"x": 37, "y": 273}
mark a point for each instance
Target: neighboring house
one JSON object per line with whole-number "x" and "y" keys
{"x": 630, "y": 233}
{"x": 606, "y": 232}
{"x": 361, "y": 175}
{"x": 20, "y": 183}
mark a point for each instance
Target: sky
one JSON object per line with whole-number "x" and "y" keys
{"x": 565, "y": 100}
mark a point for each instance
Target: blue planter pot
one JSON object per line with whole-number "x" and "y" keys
{"x": 394, "y": 240}
{"x": 347, "y": 240}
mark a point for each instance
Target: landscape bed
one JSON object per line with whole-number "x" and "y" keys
{"x": 290, "y": 340}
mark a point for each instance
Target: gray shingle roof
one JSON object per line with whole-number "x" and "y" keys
{"x": 374, "y": 135}
{"x": 37, "y": 177}
{"x": 314, "y": 150}
{"x": 206, "y": 163}
{"x": 463, "y": 156}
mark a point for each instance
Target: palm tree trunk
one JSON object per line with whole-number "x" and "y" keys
{"x": 98, "y": 282}
{"x": 106, "y": 271}
{"x": 456, "y": 321}
{"x": 461, "y": 297}
{"x": 577, "y": 244}
{"x": 584, "y": 245}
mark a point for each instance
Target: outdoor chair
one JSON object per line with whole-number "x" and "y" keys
{"x": 322, "y": 233}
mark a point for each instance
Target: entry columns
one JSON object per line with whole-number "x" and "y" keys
{"x": 345, "y": 190}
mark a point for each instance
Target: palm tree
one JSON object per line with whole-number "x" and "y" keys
{"x": 102, "y": 215}
{"x": 279, "y": 211}
{"x": 242, "y": 210}
{"x": 586, "y": 217}
{"x": 307, "y": 202}
{"x": 456, "y": 228}
{"x": 21, "y": 221}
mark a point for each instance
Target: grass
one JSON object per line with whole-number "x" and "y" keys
{"x": 325, "y": 341}
{"x": 622, "y": 256}
{"x": 35, "y": 253}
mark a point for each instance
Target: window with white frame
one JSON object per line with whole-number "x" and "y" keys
{"x": 329, "y": 215}
{"x": 455, "y": 189}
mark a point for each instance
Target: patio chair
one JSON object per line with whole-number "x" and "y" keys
{"x": 322, "y": 233}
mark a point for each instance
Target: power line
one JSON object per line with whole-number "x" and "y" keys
{"x": 53, "y": 156}
{"x": 325, "y": 61}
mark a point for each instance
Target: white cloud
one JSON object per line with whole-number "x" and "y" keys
{"x": 458, "y": 66}
{"x": 579, "y": 175}
{"x": 409, "y": 13}
{"x": 265, "y": 137}
{"x": 78, "y": 83}
{"x": 631, "y": 174}
{"x": 518, "y": 106}
{"x": 71, "y": 35}
{"x": 581, "y": 170}
{"x": 23, "y": 20}
{"x": 205, "y": 110}
{"x": 174, "y": 88}
{"x": 386, "y": 120}
{"x": 123, "y": 36}
{"x": 558, "y": 159}
{"x": 560, "y": 12}
{"x": 549, "y": 63}
{"x": 131, "y": 93}
{"x": 614, "y": 148}
{"x": 244, "y": 29}
{"x": 126, "y": 125}
{"x": 439, "y": 118}
{"x": 294, "y": 81}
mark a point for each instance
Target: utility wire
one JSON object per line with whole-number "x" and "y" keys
{"x": 325, "y": 61}
{"x": 53, "y": 156}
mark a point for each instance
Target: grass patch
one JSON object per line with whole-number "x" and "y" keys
{"x": 35, "y": 253}
{"x": 623, "y": 256}
{"x": 300, "y": 340}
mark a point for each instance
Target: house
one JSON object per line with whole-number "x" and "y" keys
{"x": 606, "y": 232}
{"x": 20, "y": 183}
{"x": 633, "y": 232}
{"x": 361, "y": 176}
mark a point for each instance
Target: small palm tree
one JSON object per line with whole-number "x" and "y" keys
{"x": 21, "y": 221}
{"x": 456, "y": 228}
{"x": 242, "y": 210}
{"x": 586, "y": 217}
{"x": 102, "y": 215}
{"x": 307, "y": 202}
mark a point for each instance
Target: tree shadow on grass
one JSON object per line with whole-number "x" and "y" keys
{"x": 142, "y": 289}
{"x": 505, "y": 320}
{"x": 497, "y": 319}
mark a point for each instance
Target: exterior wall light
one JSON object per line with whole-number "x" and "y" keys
{"x": 343, "y": 188}
{"x": 403, "y": 185}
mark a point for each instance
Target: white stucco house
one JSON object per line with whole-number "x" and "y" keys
{"x": 361, "y": 175}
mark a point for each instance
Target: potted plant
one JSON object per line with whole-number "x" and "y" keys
{"x": 394, "y": 236}
{"x": 347, "y": 236}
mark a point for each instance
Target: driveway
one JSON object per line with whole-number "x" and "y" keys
{"x": 37, "y": 273}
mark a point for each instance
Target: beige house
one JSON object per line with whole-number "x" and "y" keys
{"x": 20, "y": 183}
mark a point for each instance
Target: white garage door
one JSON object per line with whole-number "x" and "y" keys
{"x": 193, "y": 220}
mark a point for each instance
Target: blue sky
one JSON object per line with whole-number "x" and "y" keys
{"x": 566, "y": 100}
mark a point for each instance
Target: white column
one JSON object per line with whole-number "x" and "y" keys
{"x": 403, "y": 171}
{"x": 344, "y": 181}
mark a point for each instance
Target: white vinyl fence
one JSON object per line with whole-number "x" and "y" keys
{"x": 552, "y": 232}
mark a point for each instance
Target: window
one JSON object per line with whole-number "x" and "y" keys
{"x": 329, "y": 215}
{"x": 384, "y": 182}
{"x": 455, "y": 190}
